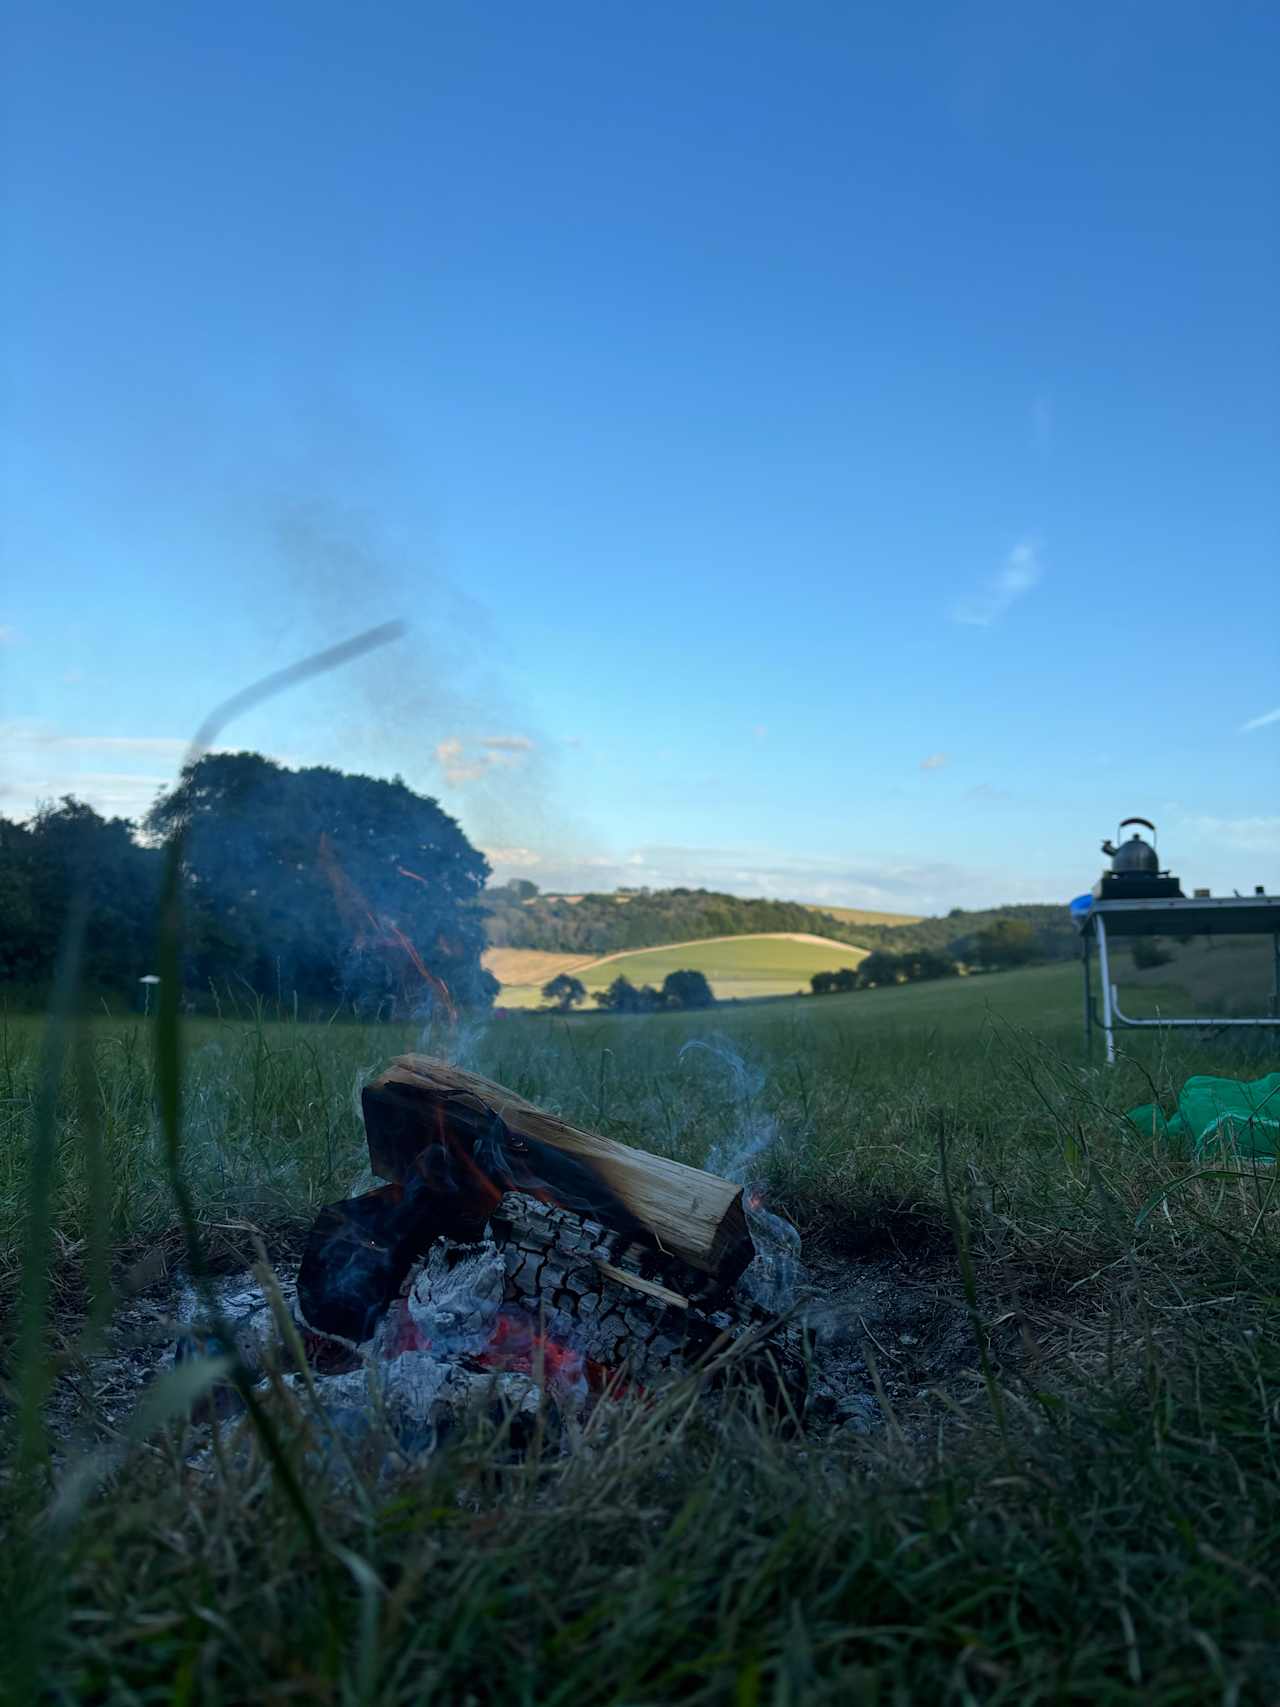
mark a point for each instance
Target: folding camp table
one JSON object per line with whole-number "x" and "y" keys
{"x": 1225, "y": 915}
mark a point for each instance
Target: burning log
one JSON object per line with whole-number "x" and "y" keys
{"x": 555, "y": 1268}
{"x": 479, "y": 1140}
{"x": 453, "y": 1146}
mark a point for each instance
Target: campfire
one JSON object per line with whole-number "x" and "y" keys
{"x": 513, "y": 1259}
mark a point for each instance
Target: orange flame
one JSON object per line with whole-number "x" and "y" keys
{"x": 375, "y": 931}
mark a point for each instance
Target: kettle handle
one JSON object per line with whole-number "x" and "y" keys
{"x": 1145, "y": 822}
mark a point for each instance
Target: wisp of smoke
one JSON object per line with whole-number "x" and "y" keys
{"x": 776, "y": 1274}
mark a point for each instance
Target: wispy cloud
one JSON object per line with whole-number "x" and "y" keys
{"x": 1253, "y": 835}
{"x": 111, "y": 773}
{"x": 491, "y": 753}
{"x": 935, "y": 762}
{"x": 1020, "y": 572}
{"x": 897, "y": 885}
{"x": 518, "y": 859}
{"x": 508, "y": 743}
{"x": 1261, "y": 722}
{"x": 165, "y": 745}
{"x": 8, "y": 636}
{"x": 122, "y": 794}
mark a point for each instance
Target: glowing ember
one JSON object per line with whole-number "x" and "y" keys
{"x": 516, "y": 1346}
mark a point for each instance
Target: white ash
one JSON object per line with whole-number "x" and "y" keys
{"x": 450, "y": 1305}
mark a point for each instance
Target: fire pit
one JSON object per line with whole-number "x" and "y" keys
{"x": 514, "y": 1259}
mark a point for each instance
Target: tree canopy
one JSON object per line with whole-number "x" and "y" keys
{"x": 564, "y": 992}
{"x": 68, "y": 852}
{"x": 881, "y": 968}
{"x": 685, "y": 989}
{"x": 339, "y": 887}
{"x": 688, "y": 989}
{"x": 1006, "y": 942}
{"x": 312, "y": 883}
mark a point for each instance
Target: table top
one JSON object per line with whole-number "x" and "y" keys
{"x": 1213, "y": 915}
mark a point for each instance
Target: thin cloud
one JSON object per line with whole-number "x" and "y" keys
{"x": 1251, "y": 835}
{"x": 496, "y": 752}
{"x": 8, "y": 636}
{"x": 1020, "y": 572}
{"x": 45, "y": 763}
{"x": 160, "y": 744}
{"x": 508, "y": 743}
{"x": 112, "y": 793}
{"x": 521, "y": 859}
{"x": 1261, "y": 722}
{"x": 935, "y": 762}
{"x": 902, "y": 886}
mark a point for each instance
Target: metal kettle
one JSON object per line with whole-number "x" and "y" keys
{"x": 1134, "y": 858}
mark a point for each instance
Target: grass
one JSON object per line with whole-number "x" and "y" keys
{"x": 1084, "y": 1506}
{"x": 737, "y": 968}
{"x": 865, "y": 915}
{"x": 1212, "y": 975}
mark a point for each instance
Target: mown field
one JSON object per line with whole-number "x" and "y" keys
{"x": 1212, "y": 975}
{"x": 1080, "y": 1502}
{"x": 866, "y": 915}
{"x": 737, "y": 968}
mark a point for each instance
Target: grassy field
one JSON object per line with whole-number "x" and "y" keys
{"x": 736, "y": 967}
{"x": 531, "y": 967}
{"x": 1082, "y": 1504}
{"x": 865, "y": 916}
{"x": 1213, "y": 975}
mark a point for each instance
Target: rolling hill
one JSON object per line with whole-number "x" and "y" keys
{"x": 766, "y": 964}
{"x": 587, "y": 926}
{"x": 862, "y": 915}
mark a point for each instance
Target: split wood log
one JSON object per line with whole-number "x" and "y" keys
{"x": 468, "y": 1134}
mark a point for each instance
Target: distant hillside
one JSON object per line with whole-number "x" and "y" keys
{"x": 518, "y": 917}
{"x": 954, "y": 933}
{"x": 608, "y": 924}
{"x": 735, "y": 966}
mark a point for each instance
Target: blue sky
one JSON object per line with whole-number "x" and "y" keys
{"x": 819, "y": 450}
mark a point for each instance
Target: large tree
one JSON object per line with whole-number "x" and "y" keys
{"x": 336, "y": 887}
{"x": 687, "y": 989}
{"x": 564, "y": 992}
{"x": 69, "y": 856}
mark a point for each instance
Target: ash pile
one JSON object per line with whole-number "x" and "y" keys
{"x": 520, "y": 1266}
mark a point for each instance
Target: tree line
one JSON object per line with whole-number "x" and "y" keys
{"x": 313, "y": 888}
{"x": 517, "y": 916}
{"x": 1001, "y": 944}
{"x": 680, "y": 992}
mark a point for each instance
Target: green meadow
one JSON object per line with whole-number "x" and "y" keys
{"x": 1074, "y": 1494}
{"x": 737, "y": 968}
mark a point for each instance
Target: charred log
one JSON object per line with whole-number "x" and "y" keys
{"x": 481, "y": 1141}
